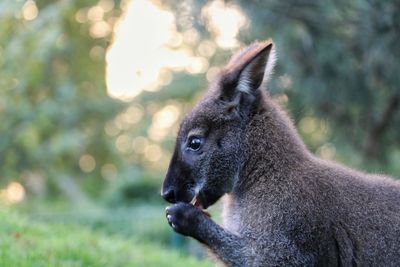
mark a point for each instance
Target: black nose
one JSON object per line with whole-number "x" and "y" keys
{"x": 169, "y": 195}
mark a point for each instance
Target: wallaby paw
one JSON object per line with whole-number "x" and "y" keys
{"x": 184, "y": 218}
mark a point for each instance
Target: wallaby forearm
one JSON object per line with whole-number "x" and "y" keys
{"x": 191, "y": 221}
{"x": 229, "y": 247}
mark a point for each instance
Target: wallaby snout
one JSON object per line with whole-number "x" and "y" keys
{"x": 169, "y": 195}
{"x": 177, "y": 185}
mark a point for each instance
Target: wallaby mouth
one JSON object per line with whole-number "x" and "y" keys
{"x": 196, "y": 201}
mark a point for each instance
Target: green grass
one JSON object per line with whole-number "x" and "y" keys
{"x": 96, "y": 238}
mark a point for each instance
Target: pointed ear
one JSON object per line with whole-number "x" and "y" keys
{"x": 246, "y": 72}
{"x": 257, "y": 69}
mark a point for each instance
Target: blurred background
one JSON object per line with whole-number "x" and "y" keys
{"x": 92, "y": 92}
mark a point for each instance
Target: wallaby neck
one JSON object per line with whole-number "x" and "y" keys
{"x": 273, "y": 147}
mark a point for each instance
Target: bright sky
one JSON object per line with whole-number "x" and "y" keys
{"x": 139, "y": 59}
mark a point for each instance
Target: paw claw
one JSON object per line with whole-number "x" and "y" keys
{"x": 169, "y": 217}
{"x": 173, "y": 225}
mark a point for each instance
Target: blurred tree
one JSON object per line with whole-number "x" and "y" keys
{"x": 345, "y": 65}
{"x": 53, "y": 101}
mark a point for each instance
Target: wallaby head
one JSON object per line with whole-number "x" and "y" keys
{"x": 209, "y": 149}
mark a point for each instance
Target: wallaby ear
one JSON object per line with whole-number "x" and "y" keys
{"x": 246, "y": 72}
{"x": 255, "y": 66}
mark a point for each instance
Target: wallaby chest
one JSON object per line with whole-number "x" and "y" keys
{"x": 242, "y": 218}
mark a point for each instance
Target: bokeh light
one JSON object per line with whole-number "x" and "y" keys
{"x": 224, "y": 21}
{"x": 109, "y": 171}
{"x": 29, "y": 10}
{"x": 326, "y": 151}
{"x": 87, "y": 163}
{"x": 13, "y": 193}
{"x": 162, "y": 122}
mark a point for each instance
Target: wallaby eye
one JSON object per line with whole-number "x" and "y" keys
{"x": 194, "y": 143}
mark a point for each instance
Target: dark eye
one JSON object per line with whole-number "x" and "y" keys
{"x": 194, "y": 143}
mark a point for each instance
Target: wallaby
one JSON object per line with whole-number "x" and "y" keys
{"x": 283, "y": 205}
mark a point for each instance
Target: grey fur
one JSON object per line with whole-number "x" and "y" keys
{"x": 283, "y": 206}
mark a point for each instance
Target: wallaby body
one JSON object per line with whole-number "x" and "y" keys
{"x": 283, "y": 206}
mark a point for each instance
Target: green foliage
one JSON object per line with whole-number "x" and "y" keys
{"x": 33, "y": 242}
{"x": 53, "y": 98}
{"x": 137, "y": 187}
